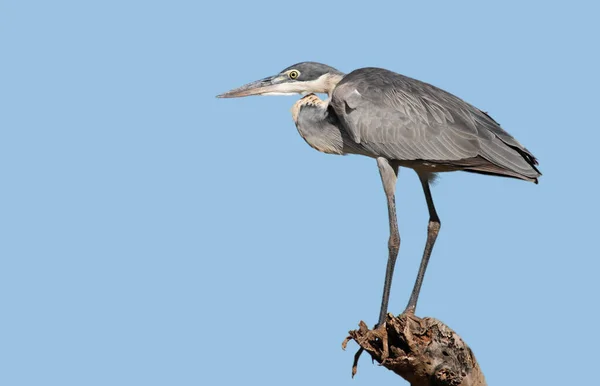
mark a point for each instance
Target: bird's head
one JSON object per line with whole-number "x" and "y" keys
{"x": 301, "y": 78}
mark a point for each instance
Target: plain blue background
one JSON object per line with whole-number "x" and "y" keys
{"x": 152, "y": 234}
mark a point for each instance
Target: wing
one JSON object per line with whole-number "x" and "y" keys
{"x": 401, "y": 118}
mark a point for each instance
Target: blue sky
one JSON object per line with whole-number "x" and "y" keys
{"x": 155, "y": 235}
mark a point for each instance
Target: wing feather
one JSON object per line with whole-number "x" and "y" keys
{"x": 401, "y": 118}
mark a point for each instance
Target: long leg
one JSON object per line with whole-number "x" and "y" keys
{"x": 389, "y": 176}
{"x": 432, "y": 231}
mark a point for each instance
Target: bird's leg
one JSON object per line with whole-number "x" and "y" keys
{"x": 389, "y": 176}
{"x": 432, "y": 231}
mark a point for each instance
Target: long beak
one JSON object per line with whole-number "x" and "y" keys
{"x": 264, "y": 86}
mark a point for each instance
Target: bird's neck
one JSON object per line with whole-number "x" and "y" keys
{"x": 328, "y": 82}
{"x": 324, "y": 84}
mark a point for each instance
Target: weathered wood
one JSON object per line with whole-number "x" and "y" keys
{"x": 424, "y": 351}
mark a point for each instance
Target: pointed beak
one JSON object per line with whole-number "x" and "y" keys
{"x": 268, "y": 85}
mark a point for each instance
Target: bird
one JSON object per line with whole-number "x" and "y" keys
{"x": 400, "y": 122}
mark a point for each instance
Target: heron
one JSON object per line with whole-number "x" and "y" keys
{"x": 400, "y": 122}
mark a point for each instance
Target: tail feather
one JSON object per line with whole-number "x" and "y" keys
{"x": 483, "y": 165}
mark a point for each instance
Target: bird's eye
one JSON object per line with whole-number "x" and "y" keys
{"x": 293, "y": 74}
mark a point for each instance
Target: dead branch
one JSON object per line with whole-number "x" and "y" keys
{"x": 424, "y": 351}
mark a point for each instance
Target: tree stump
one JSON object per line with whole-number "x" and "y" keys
{"x": 424, "y": 351}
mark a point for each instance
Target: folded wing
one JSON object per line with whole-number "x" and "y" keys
{"x": 401, "y": 118}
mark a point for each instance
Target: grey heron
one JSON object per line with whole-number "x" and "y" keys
{"x": 399, "y": 121}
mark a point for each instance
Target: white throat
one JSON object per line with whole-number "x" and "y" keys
{"x": 323, "y": 85}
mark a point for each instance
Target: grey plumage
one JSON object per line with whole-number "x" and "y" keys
{"x": 393, "y": 116}
{"x": 399, "y": 121}
{"x": 321, "y": 130}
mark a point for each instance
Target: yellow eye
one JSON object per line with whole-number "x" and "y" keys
{"x": 293, "y": 74}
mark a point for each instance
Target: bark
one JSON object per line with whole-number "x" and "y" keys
{"x": 424, "y": 351}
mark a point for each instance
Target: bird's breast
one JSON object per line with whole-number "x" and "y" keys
{"x": 311, "y": 119}
{"x": 309, "y": 100}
